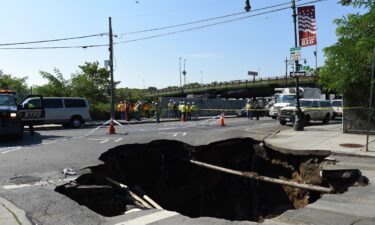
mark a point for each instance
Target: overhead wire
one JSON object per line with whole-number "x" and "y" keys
{"x": 212, "y": 24}
{"x": 53, "y": 40}
{"x": 165, "y": 34}
{"x": 204, "y": 20}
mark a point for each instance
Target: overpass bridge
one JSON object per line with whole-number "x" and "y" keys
{"x": 238, "y": 88}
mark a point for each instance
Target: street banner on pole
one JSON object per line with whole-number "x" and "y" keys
{"x": 306, "y": 26}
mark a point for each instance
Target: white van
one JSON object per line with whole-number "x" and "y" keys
{"x": 68, "y": 111}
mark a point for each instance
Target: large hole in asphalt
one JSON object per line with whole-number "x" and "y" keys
{"x": 156, "y": 169}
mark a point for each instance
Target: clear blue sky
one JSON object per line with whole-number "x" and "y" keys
{"x": 223, "y": 52}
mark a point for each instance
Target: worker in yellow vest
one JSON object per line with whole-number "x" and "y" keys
{"x": 194, "y": 109}
{"x": 248, "y": 110}
{"x": 183, "y": 110}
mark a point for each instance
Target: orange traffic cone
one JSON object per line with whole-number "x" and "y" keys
{"x": 111, "y": 129}
{"x": 221, "y": 120}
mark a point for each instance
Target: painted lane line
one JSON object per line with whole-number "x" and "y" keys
{"x": 184, "y": 134}
{"x": 40, "y": 183}
{"x": 12, "y": 149}
{"x": 118, "y": 140}
{"x": 133, "y": 210}
{"x": 175, "y": 134}
{"x": 104, "y": 141}
{"x": 151, "y": 218}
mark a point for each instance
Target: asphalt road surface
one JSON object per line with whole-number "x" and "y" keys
{"x": 31, "y": 169}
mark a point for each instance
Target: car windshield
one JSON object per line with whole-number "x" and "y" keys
{"x": 7, "y": 100}
{"x": 302, "y": 103}
{"x": 337, "y": 103}
{"x": 285, "y": 98}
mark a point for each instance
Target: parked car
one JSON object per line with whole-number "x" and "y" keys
{"x": 68, "y": 111}
{"x": 337, "y": 108}
{"x": 314, "y": 109}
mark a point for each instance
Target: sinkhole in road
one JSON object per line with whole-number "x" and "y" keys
{"x": 156, "y": 170}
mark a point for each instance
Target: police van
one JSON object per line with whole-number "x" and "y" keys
{"x": 13, "y": 117}
{"x": 68, "y": 111}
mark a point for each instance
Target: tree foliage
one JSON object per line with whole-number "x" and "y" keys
{"x": 92, "y": 82}
{"x": 57, "y": 85}
{"x": 7, "y": 81}
{"x": 347, "y": 67}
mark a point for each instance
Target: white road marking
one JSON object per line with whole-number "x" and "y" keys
{"x": 118, "y": 140}
{"x": 133, "y": 210}
{"x": 175, "y": 134}
{"x": 104, "y": 141}
{"x": 11, "y": 149}
{"x": 40, "y": 183}
{"x": 151, "y": 218}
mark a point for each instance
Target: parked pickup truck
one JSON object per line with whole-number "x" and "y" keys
{"x": 314, "y": 109}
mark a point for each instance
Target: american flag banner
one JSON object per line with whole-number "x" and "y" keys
{"x": 306, "y": 26}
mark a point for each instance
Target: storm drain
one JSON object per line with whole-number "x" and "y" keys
{"x": 160, "y": 174}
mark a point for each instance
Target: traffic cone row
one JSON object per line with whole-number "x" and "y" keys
{"x": 111, "y": 129}
{"x": 221, "y": 120}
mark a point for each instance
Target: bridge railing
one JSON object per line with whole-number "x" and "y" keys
{"x": 221, "y": 85}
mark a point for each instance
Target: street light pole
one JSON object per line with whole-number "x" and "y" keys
{"x": 201, "y": 78}
{"x": 184, "y": 72}
{"x": 299, "y": 117}
{"x": 179, "y": 60}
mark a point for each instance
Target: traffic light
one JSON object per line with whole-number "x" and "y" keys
{"x": 247, "y": 6}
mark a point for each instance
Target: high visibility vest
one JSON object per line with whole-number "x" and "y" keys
{"x": 188, "y": 108}
{"x": 193, "y": 108}
{"x": 121, "y": 107}
{"x": 183, "y": 108}
{"x": 170, "y": 106}
{"x": 248, "y": 106}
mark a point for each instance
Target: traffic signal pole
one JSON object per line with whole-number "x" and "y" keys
{"x": 299, "y": 119}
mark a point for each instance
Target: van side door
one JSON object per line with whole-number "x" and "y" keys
{"x": 54, "y": 110}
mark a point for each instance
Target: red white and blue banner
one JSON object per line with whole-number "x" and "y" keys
{"x": 306, "y": 26}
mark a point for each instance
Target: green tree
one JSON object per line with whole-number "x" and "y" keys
{"x": 57, "y": 85}
{"x": 347, "y": 67}
{"x": 13, "y": 83}
{"x": 92, "y": 82}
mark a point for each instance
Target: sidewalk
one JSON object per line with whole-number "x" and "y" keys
{"x": 11, "y": 215}
{"x": 321, "y": 140}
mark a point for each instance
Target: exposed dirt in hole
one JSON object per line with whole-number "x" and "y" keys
{"x": 155, "y": 169}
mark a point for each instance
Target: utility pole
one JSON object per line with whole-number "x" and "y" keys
{"x": 111, "y": 69}
{"x": 299, "y": 118}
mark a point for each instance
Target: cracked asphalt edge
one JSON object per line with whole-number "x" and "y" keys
{"x": 18, "y": 215}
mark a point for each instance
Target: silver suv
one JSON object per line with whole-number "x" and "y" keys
{"x": 314, "y": 109}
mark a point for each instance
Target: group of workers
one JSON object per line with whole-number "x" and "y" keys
{"x": 135, "y": 110}
{"x": 252, "y": 109}
{"x": 182, "y": 110}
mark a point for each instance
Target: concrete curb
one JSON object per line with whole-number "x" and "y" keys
{"x": 11, "y": 214}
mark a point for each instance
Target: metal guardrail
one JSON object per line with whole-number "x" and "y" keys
{"x": 234, "y": 85}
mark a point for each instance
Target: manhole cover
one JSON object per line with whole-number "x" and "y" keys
{"x": 351, "y": 145}
{"x": 24, "y": 180}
